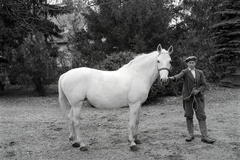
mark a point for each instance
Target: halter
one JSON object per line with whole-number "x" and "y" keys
{"x": 164, "y": 69}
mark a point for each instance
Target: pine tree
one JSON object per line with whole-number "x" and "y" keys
{"x": 19, "y": 19}
{"x": 225, "y": 36}
{"x": 114, "y": 26}
{"x": 192, "y": 33}
{"x": 25, "y": 33}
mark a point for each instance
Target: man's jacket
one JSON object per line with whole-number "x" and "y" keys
{"x": 191, "y": 83}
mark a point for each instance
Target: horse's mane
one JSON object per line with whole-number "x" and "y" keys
{"x": 141, "y": 58}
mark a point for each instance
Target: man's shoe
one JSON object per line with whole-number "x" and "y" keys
{"x": 203, "y": 129}
{"x": 207, "y": 140}
{"x": 189, "y": 138}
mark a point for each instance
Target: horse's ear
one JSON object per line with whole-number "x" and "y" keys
{"x": 159, "y": 48}
{"x": 170, "y": 49}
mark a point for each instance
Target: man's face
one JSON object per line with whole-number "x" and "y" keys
{"x": 191, "y": 64}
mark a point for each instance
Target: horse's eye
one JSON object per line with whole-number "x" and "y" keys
{"x": 170, "y": 62}
{"x": 158, "y": 61}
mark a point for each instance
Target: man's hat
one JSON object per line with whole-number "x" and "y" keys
{"x": 191, "y": 58}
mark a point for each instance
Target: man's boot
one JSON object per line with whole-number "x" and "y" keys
{"x": 203, "y": 129}
{"x": 190, "y": 136}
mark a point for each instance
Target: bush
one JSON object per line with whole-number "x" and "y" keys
{"x": 116, "y": 61}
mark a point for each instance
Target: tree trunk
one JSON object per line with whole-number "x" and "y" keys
{"x": 39, "y": 86}
{"x": 1, "y": 87}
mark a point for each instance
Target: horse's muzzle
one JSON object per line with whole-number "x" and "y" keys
{"x": 164, "y": 81}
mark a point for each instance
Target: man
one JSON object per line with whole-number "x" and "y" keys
{"x": 193, "y": 98}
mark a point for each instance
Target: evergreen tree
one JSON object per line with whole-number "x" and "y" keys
{"x": 19, "y": 19}
{"x": 226, "y": 32}
{"x": 113, "y": 26}
{"x": 25, "y": 33}
{"x": 192, "y": 33}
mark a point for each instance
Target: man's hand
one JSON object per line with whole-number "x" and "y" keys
{"x": 195, "y": 92}
{"x": 171, "y": 78}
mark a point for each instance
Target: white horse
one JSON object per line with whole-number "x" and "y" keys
{"x": 127, "y": 86}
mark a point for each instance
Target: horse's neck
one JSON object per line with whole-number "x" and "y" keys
{"x": 150, "y": 69}
{"x": 146, "y": 66}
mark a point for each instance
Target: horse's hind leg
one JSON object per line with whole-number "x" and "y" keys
{"x": 72, "y": 131}
{"x": 76, "y": 111}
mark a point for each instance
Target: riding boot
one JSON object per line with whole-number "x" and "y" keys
{"x": 190, "y": 136}
{"x": 203, "y": 129}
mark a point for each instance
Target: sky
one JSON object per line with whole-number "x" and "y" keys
{"x": 61, "y": 1}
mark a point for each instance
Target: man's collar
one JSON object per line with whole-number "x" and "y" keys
{"x": 191, "y": 69}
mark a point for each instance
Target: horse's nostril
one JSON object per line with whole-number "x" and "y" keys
{"x": 164, "y": 80}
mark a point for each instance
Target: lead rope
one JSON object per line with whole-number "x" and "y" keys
{"x": 194, "y": 100}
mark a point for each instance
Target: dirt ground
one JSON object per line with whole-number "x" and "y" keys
{"x": 34, "y": 128}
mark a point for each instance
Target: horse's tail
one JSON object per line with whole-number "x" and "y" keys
{"x": 64, "y": 104}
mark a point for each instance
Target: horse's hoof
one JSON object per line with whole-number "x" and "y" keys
{"x": 83, "y": 148}
{"x": 76, "y": 145}
{"x": 138, "y": 141}
{"x": 134, "y": 148}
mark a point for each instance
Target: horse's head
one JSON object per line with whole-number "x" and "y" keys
{"x": 164, "y": 63}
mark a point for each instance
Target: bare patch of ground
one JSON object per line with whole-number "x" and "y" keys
{"x": 35, "y": 128}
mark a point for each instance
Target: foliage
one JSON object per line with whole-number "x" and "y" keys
{"x": 35, "y": 63}
{"x": 192, "y": 33}
{"x": 19, "y": 19}
{"x": 116, "y": 61}
{"x": 22, "y": 24}
{"x": 115, "y": 26}
{"x": 84, "y": 52}
{"x": 225, "y": 36}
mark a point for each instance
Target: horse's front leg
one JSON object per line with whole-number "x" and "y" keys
{"x": 136, "y": 138}
{"x": 134, "y": 112}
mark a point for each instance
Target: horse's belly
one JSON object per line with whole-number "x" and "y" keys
{"x": 108, "y": 98}
{"x": 107, "y": 101}
{"x": 107, "y": 104}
